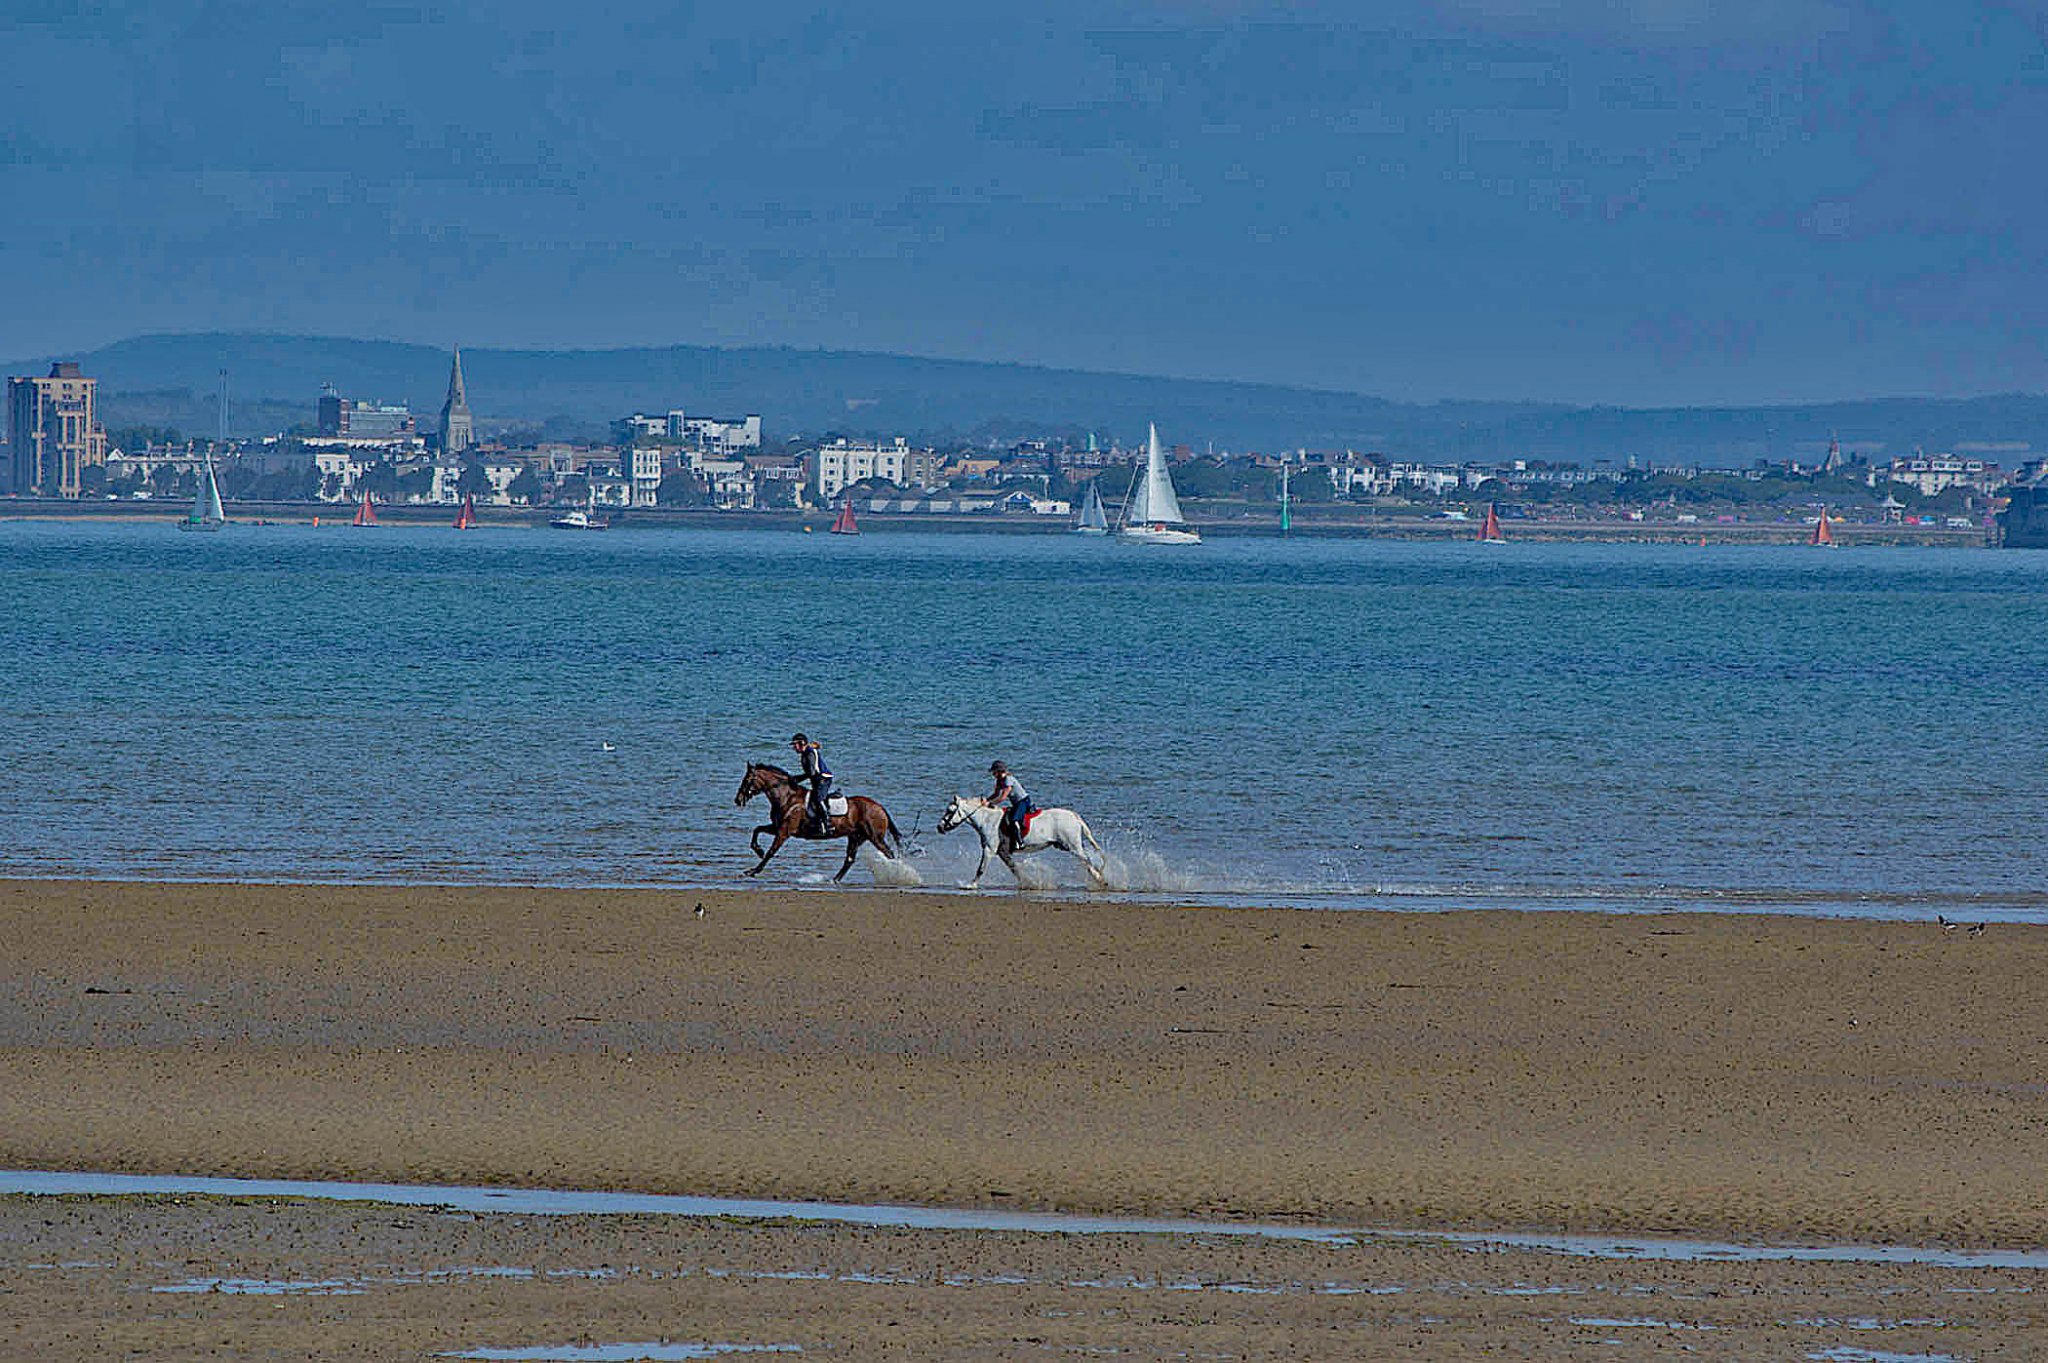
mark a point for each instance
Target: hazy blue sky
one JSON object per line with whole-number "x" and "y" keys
{"x": 1636, "y": 201}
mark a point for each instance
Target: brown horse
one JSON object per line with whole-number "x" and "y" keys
{"x": 864, "y": 820}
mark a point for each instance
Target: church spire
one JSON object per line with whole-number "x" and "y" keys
{"x": 458, "y": 432}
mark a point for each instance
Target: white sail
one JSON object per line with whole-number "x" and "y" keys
{"x": 209, "y": 507}
{"x": 1155, "y": 503}
{"x": 1092, "y": 517}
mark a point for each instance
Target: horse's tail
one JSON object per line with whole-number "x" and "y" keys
{"x": 895, "y": 835}
{"x": 1088, "y": 833}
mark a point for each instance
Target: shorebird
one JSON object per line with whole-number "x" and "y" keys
{"x": 1976, "y": 929}
{"x": 1946, "y": 924}
{"x": 700, "y": 909}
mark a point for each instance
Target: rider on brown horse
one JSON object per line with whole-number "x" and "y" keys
{"x": 823, "y": 787}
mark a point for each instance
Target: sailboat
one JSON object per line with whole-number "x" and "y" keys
{"x": 1093, "y": 520}
{"x": 466, "y": 518}
{"x": 365, "y": 514}
{"x": 1286, "y": 506}
{"x": 1151, "y": 514}
{"x": 1823, "y": 537}
{"x": 207, "y": 513}
{"x": 1489, "y": 529}
{"x": 843, "y": 523}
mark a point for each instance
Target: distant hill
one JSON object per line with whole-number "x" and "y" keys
{"x": 276, "y": 381}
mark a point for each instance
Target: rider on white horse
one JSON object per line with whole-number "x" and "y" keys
{"x": 1061, "y": 828}
{"x": 1010, "y": 797}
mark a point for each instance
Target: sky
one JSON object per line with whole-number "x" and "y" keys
{"x": 1640, "y": 202}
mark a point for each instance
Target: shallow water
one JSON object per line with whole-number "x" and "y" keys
{"x": 558, "y": 1202}
{"x": 1339, "y": 724}
{"x": 657, "y": 1352}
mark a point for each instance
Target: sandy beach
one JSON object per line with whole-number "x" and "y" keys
{"x": 165, "y": 1278}
{"x": 1732, "y": 1075}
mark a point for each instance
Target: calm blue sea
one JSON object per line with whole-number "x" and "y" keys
{"x": 1353, "y": 724}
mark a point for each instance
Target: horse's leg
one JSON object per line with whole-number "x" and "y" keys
{"x": 1071, "y": 843}
{"x": 1006, "y": 850}
{"x": 981, "y": 869}
{"x": 853, "y": 842}
{"x": 754, "y": 842}
{"x": 773, "y": 847}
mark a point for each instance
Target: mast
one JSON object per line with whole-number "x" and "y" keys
{"x": 1286, "y": 520}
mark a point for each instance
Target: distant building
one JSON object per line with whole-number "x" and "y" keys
{"x": 641, "y": 467}
{"x": 348, "y": 419}
{"x": 1930, "y": 474}
{"x": 54, "y": 434}
{"x": 714, "y": 435}
{"x": 458, "y": 431}
{"x": 843, "y": 462}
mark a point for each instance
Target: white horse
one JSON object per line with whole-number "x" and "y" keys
{"x": 1061, "y": 828}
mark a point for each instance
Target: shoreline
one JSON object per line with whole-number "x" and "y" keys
{"x": 1252, "y": 525}
{"x": 1986, "y": 908}
{"x": 492, "y": 1200}
{"x": 1732, "y": 1076}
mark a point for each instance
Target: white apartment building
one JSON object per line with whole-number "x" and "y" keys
{"x": 342, "y": 466}
{"x": 641, "y": 467}
{"x": 1929, "y": 474}
{"x": 842, "y": 462}
{"x": 714, "y": 435}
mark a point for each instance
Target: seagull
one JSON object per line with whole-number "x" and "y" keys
{"x": 609, "y": 748}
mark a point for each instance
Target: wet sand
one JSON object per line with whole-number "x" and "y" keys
{"x": 91, "y": 1279}
{"x": 1736, "y": 1076}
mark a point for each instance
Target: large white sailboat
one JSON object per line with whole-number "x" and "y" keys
{"x": 207, "y": 512}
{"x": 1151, "y": 514}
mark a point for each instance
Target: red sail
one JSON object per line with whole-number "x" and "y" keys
{"x": 366, "y": 514}
{"x": 1489, "y": 529}
{"x": 466, "y": 520}
{"x": 844, "y": 524}
{"x": 1821, "y": 534}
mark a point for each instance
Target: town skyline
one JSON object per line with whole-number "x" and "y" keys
{"x": 170, "y": 380}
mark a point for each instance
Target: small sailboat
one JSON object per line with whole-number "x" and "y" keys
{"x": 207, "y": 512}
{"x": 1489, "y": 529}
{"x": 1151, "y": 514}
{"x": 1822, "y": 537}
{"x": 1286, "y": 506}
{"x": 366, "y": 514}
{"x": 1093, "y": 521}
{"x": 466, "y": 518}
{"x": 843, "y": 524}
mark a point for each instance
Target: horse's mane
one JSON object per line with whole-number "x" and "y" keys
{"x": 769, "y": 767}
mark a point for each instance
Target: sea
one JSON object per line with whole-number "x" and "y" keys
{"x": 1345, "y": 724}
